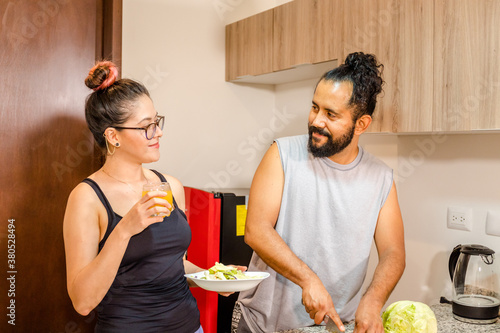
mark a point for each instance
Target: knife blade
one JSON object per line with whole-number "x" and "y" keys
{"x": 330, "y": 326}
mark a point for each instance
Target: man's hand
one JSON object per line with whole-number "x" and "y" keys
{"x": 318, "y": 303}
{"x": 389, "y": 239}
{"x": 368, "y": 319}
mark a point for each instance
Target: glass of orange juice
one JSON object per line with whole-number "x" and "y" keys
{"x": 160, "y": 186}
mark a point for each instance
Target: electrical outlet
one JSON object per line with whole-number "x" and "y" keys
{"x": 460, "y": 218}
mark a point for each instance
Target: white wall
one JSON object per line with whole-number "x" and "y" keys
{"x": 216, "y": 132}
{"x": 213, "y": 130}
{"x": 437, "y": 172}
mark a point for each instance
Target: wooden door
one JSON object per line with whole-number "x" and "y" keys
{"x": 466, "y": 65}
{"x": 47, "y": 48}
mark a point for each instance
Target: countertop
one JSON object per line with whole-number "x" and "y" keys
{"x": 445, "y": 320}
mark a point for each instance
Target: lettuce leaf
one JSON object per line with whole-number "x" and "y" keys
{"x": 222, "y": 272}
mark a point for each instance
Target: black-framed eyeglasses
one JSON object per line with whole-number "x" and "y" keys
{"x": 149, "y": 130}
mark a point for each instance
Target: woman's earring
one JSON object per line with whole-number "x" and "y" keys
{"x": 107, "y": 146}
{"x": 117, "y": 144}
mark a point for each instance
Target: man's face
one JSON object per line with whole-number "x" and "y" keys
{"x": 331, "y": 127}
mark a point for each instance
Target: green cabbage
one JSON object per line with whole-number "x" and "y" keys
{"x": 409, "y": 317}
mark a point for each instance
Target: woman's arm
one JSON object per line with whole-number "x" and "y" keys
{"x": 189, "y": 268}
{"x": 89, "y": 273}
{"x": 180, "y": 198}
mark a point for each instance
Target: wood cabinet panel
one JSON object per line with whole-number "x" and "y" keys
{"x": 249, "y": 46}
{"x": 441, "y": 58}
{"x": 466, "y": 65}
{"x": 372, "y": 27}
{"x": 307, "y": 31}
{"x": 416, "y": 85}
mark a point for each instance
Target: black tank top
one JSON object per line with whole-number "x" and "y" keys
{"x": 150, "y": 292}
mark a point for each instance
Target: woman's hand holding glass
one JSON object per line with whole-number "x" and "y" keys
{"x": 151, "y": 208}
{"x": 162, "y": 187}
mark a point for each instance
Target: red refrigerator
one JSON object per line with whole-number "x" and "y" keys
{"x": 217, "y": 222}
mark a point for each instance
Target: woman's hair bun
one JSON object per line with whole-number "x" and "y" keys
{"x": 102, "y": 75}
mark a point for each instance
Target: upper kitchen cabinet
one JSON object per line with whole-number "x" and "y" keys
{"x": 467, "y": 65}
{"x": 372, "y": 27}
{"x": 441, "y": 57}
{"x": 415, "y": 74}
{"x": 295, "y": 41}
{"x": 307, "y": 32}
{"x": 249, "y": 46}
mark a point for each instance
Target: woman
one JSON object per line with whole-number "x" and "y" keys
{"x": 122, "y": 258}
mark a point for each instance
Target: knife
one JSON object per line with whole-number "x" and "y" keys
{"x": 330, "y": 325}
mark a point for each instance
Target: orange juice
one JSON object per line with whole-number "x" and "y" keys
{"x": 169, "y": 198}
{"x": 164, "y": 187}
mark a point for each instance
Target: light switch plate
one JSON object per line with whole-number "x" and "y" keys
{"x": 493, "y": 223}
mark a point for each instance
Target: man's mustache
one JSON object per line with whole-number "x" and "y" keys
{"x": 314, "y": 129}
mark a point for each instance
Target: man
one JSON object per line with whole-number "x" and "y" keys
{"x": 316, "y": 203}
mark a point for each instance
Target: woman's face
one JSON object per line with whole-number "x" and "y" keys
{"x": 133, "y": 143}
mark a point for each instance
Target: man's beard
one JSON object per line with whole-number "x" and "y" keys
{"x": 331, "y": 147}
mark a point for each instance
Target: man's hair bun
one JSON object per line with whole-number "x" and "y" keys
{"x": 102, "y": 75}
{"x": 363, "y": 64}
{"x": 365, "y": 74}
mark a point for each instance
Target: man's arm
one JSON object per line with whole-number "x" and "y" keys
{"x": 389, "y": 240}
{"x": 263, "y": 209}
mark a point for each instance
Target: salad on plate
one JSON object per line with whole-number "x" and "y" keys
{"x": 222, "y": 272}
{"x": 222, "y": 278}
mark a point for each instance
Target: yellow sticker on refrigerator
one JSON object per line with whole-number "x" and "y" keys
{"x": 241, "y": 218}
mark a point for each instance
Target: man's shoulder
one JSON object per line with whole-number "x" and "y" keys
{"x": 369, "y": 158}
{"x": 293, "y": 140}
{"x": 292, "y": 148}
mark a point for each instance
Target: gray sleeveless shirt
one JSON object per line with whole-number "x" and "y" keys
{"x": 327, "y": 217}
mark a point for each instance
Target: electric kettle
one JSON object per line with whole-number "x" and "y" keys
{"x": 475, "y": 275}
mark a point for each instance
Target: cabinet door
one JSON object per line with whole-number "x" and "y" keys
{"x": 307, "y": 32}
{"x": 249, "y": 46}
{"x": 467, "y": 65}
{"x": 372, "y": 27}
{"x": 416, "y": 66}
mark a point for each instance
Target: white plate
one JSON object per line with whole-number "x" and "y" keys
{"x": 228, "y": 285}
